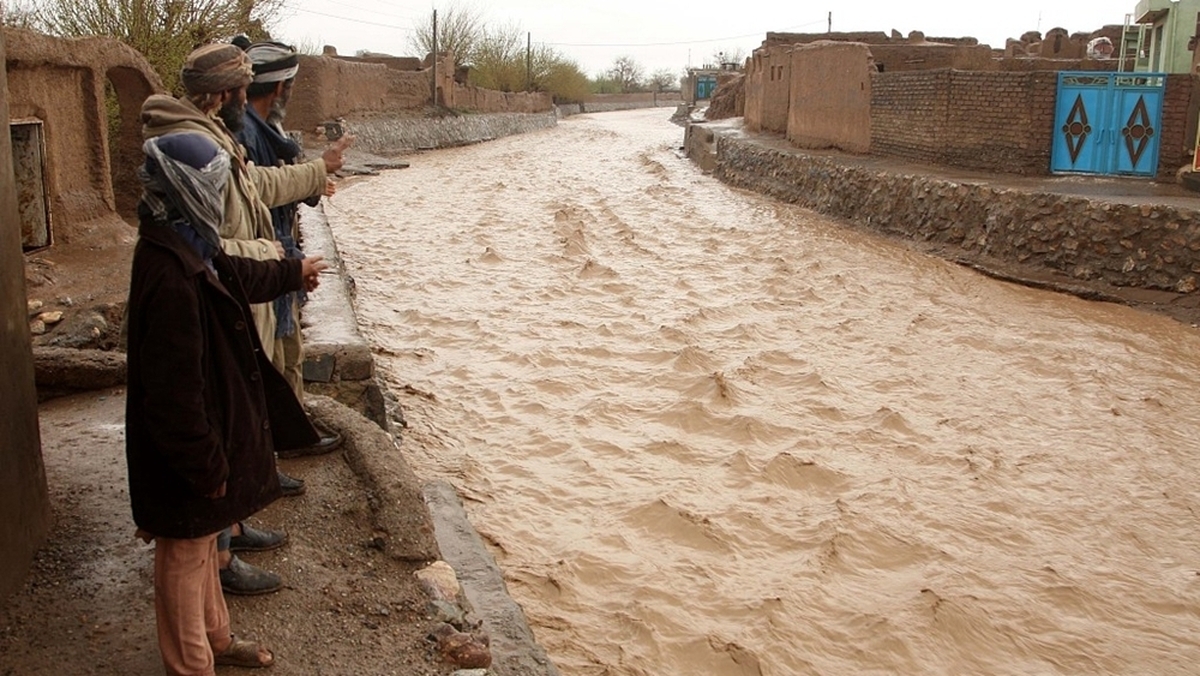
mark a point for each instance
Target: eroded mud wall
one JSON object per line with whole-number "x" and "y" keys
{"x": 72, "y": 87}
{"x": 24, "y": 503}
{"x": 830, "y": 97}
{"x": 768, "y": 89}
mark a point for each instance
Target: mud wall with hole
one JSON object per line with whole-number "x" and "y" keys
{"x": 1148, "y": 246}
{"x": 71, "y": 87}
{"x": 24, "y": 502}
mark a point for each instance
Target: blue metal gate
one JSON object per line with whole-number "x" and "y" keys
{"x": 1108, "y": 123}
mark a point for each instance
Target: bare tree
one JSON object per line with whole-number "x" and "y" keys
{"x": 164, "y": 31}
{"x": 627, "y": 73}
{"x": 19, "y": 13}
{"x": 663, "y": 79}
{"x": 459, "y": 30}
{"x": 735, "y": 56}
{"x": 498, "y": 61}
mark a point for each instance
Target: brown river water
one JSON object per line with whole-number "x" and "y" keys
{"x": 705, "y": 432}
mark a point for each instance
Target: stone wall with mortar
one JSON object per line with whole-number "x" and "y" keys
{"x": 402, "y": 135}
{"x": 1146, "y": 246}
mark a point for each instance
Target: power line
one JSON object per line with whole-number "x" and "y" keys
{"x": 675, "y": 44}
{"x": 409, "y": 15}
{"x": 362, "y": 21}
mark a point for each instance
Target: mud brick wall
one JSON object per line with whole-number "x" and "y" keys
{"x": 996, "y": 121}
{"x": 908, "y": 113}
{"x": 991, "y": 121}
{"x": 478, "y": 100}
{"x": 336, "y": 88}
{"x": 1177, "y": 134}
{"x": 1000, "y": 121}
{"x": 24, "y": 499}
{"x": 768, "y": 89}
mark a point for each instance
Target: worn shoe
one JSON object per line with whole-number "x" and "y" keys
{"x": 291, "y": 485}
{"x": 246, "y": 580}
{"x": 329, "y": 443}
{"x": 255, "y": 540}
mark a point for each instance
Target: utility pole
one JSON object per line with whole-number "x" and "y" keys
{"x": 433, "y": 80}
{"x": 830, "y": 24}
{"x": 529, "y": 62}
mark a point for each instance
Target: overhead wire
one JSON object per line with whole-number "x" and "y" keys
{"x": 677, "y": 43}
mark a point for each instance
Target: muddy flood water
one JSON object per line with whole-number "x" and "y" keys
{"x": 709, "y": 433}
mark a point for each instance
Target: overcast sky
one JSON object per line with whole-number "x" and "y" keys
{"x": 675, "y": 34}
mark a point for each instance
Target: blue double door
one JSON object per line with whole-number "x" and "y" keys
{"x": 1108, "y": 123}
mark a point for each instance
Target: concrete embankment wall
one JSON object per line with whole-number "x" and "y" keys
{"x": 1148, "y": 246}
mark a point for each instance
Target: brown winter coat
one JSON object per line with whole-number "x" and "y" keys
{"x": 204, "y": 405}
{"x": 247, "y": 229}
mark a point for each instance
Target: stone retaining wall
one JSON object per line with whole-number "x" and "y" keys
{"x": 607, "y": 103}
{"x": 1149, "y": 246}
{"x": 400, "y": 135}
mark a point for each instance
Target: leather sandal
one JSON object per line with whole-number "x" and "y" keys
{"x": 243, "y": 653}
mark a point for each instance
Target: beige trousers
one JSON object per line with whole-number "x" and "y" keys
{"x": 288, "y": 356}
{"x": 193, "y": 622}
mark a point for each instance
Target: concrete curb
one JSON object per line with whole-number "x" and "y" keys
{"x": 337, "y": 359}
{"x": 515, "y": 652}
{"x": 398, "y": 510}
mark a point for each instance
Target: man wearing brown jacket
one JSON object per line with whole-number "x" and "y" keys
{"x": 205, "y": 409}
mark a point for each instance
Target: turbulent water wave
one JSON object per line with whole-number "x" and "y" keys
{"x": 707, "y": 433}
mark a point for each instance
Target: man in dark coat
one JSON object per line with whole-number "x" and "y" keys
{"x": 205, "y": 410}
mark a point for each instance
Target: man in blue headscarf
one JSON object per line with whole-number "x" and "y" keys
{"x": 205, "y": 409}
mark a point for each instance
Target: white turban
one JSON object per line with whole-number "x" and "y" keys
{"x": 273, "y": 62}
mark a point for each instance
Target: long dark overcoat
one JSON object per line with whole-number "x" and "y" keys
{"x": 204, "y": 406}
